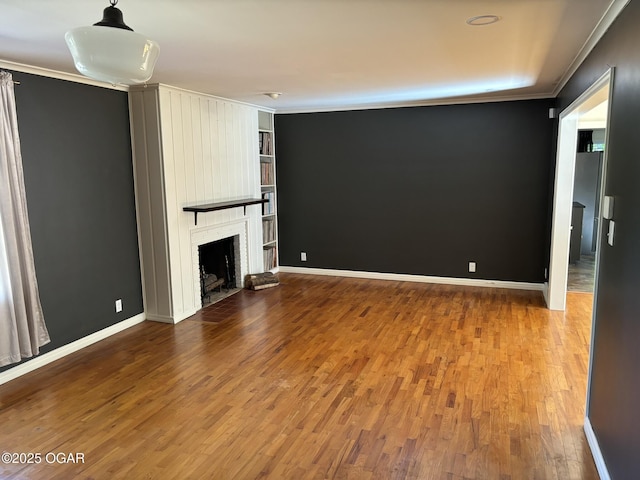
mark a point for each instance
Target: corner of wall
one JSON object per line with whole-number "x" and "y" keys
{"x": 592, "y": 440}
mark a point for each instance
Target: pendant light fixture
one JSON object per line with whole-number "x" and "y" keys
{"x": 111, "y": 51}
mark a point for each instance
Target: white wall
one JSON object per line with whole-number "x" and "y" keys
{"x": 189, "y": 148}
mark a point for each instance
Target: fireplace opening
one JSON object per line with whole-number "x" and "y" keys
{"x": 218, "y": 270}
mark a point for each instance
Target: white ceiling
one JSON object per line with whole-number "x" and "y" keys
{"x": 594, "y": 111}
{"x": 332, "y": 54}
{"x": 595, "y": 118}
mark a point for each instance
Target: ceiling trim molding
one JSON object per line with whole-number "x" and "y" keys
{"x": 598, "y": 32}
{"x": 47, "y": 72}
{"x": 422, "y": 103}
{"x": 201, "y": 94}
{"x": 72, "y": 77}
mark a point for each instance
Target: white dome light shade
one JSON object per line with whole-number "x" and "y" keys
{"x": 113, "y": 55}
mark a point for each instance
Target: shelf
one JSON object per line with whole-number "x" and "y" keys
{"x": 212, "y": 207}
{"x": 265, "y": 143}
{"x": 267, "y": 165}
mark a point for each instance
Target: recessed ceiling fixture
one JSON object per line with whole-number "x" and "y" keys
{"x": 111, "y": 51}
{"x": 483, "y": 20}
{"x": 273, "y": 95}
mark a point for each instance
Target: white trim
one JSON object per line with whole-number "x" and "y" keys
{"x": 563, "y": 191}
{"x": 416, "y": 103}
{"x": 545, "y": 292}
{"x": 172, "y": 320}
{"x": 201, "y": 94}
{"x": 58, "y": 353}
{"x": 161, "y": 319}
{"x": 562, "y": 210}
{"x": 592, "y": 440}
{"x": 599, "y": 239}
{"x": 405, "y": 277}
{"x": 46, "y": 72}
{"x": 598, "y": 32}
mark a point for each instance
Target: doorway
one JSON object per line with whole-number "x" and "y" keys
{"x": 585, "y": 216}
{"x": 595, "y": 101}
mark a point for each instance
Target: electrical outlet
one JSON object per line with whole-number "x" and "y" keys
{"x": 118, "y": 305}
{"x": 472, "y": 267}
{"x": 303, "y": 256}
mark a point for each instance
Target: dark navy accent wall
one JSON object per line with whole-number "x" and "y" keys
{"x": 78, "y": 170}
{"x": 615, "y": 379}
{"x": 421, "y": 190}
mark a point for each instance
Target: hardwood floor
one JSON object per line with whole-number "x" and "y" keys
{"x": 581, "y": 276}
{"x": 320, "y": 378}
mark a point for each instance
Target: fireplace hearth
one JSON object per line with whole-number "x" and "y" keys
{"x": 218, "y": 270}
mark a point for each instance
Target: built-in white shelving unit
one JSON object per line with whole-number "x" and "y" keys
{"x": 266, "y": 148}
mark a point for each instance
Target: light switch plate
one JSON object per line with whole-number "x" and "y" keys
{"x": 611, "y": 232}
{"x": 607, "y": 207}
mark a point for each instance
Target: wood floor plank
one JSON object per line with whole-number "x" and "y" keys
{"x": 320, "y": 378}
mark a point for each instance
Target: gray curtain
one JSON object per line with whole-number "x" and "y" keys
{"x": 22, "y": 327}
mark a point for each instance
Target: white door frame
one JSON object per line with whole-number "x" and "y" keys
{"x": 556, "y": 288}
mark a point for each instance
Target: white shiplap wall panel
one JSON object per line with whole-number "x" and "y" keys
{"x": 216, "y": 184}
{"x": 207, "y": 152}
{"x": 230, "y": 168}
{"x": 207, "y": 155}
{"x": 185, "y": 162}
{"x": 225, "y": 147}
{"x": 251, "y": 176}
{"x": 198, "y": 147}
{"x": 150, "y": 203}
{"x": 235, "y": 172}
{"x": 171, "y": 121}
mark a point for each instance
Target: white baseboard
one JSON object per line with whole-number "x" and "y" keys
{"x": 58, "y": 353}
{"x": 595, "y": 450}
{"x": 161, "y": 319}
{"x": 403, "y": 277}
{"x": 172, "y": 320}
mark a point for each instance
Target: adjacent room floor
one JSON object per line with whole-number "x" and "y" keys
{"x": 320, "y": 377}
{"x": 582, "y": 274}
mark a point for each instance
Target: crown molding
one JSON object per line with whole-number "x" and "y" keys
{"x": 164, "y": 86}
{"x": 47, "y": 72}
{"x": 420, "y": 103}
{"x": 614, "y": 10}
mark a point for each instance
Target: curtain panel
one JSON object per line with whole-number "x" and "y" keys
{"x": 22, "y": 327}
